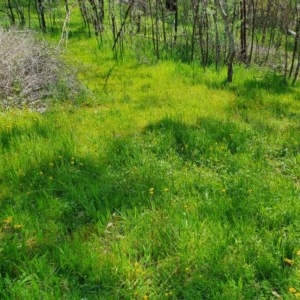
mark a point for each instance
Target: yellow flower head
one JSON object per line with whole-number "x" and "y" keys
{"x": 31, "y": 242}
{"x": 288, "y": 261}
{"x": 8, "y": 220}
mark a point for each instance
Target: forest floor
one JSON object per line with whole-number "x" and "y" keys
{"x": 159, "y": 182}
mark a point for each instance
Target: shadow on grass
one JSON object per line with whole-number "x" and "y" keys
{"x": 263, "y": 97}
{"x": 63, "y": 194}
{"x": 11, "y": 135}
{"x": 201, "y": 139}
{"x": 253, "y": 86}
{"x": 270, "y": 83}
{"x": 76, "y": 190}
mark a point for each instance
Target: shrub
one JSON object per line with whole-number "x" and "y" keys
{"x": 30, "y": 71}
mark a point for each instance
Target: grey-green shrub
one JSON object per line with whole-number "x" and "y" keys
{"x": 30, "y": 70}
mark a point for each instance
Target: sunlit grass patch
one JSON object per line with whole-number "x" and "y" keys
{"x": 162, "y": 182}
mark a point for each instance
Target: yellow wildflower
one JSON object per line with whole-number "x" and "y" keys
{"x": 169, "y": 294}
{"x": 6, "y": 227}
{"x": 288, "y": 261}
{"x": 31, "y": 242}
{"x": 292, "y": 290}
{"x": 8, "y": 220}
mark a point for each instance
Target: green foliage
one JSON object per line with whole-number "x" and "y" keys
{"x": 161, "y": 182}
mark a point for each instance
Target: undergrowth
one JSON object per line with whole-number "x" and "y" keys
{"x": 162, "y": 183}
{"x": 32, "y": 72}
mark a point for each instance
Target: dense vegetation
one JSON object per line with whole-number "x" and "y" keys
{"x": 210, "y": 32}
{"x": 157, "y": 180}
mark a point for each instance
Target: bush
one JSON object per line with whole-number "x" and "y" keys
{"x": 30, "y": 71}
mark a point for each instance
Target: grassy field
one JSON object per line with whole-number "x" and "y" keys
{"x": 160, "y": 182}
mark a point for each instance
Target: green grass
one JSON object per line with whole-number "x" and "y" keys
{"x": 162, "y": 182}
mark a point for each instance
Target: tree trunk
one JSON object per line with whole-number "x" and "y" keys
{"x": 217, "y": 47}
{"x": 41, "y": 14}
{"x": 231, "y": 50}
{"x": 243, "y": 35}
{"x": 175, "y": 21}
{"x": 122, "y": 25}
{"x": 295, "y": 49}
{"x": 11, "y": 13}
{"x": 195, "y": 9}
{"x": 28, "y": 13}
{"x": 254, "y": 5}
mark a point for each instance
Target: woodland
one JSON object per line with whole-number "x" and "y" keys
{"x": 149, "y": 149}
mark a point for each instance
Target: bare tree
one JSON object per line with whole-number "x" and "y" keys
{"x": 231, "y": 50}
{"x": 92, "y": 12}
{"x": 40, "y": 8}
{"x": 243, "y": 34}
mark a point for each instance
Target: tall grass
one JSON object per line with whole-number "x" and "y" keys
{"x": 162, "y": 183}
